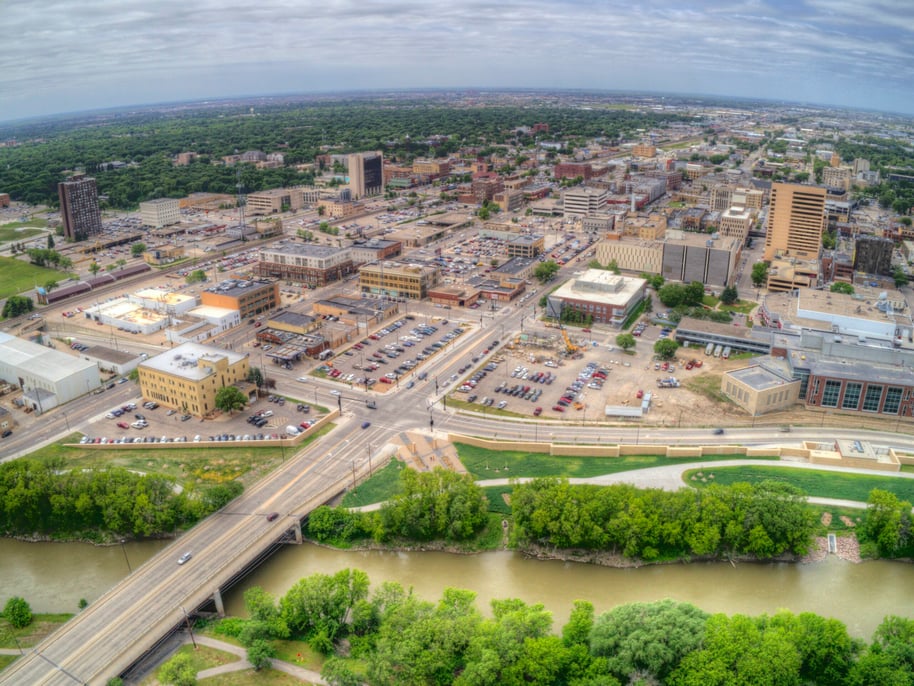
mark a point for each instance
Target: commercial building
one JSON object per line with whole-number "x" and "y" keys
{"x": 762, "y": 388}
{"x": 128, "y": 315}
{"x": 79, "y": 209}
{"x": 249, "y": 298}
{"x": 164, "y": 254}
{"x": 516, "y": 268}
{"x": 315, "y": 265}
{"x": 572, "y": 170}
{"x": 160, "y": 212}
{"x": 200, "y": 323}
{"x": 374, "y": 249}
{"x": 47, "y": 377}
{"x": 644, "y": 150}
{"x": 605, "y": 297}
{"x": 366, "y": 175}
{"x": 583, "y": 201}
{"x": 691, "y": 257}
{"x": 735, "y": 222}
{"x": 187, "y": 378}
{"x": 398, "y": 280}
{"x": 873, "y": 255}
{"x": 509, "y": 200}
{"x": 796, "y": 220}
{"x": 111, "y": 359}
{"x": 631, "y": 255}
{"x": 525, "y": 245}
{"x": 432, "y": 169}
{"x": 454, "y": 296}
{"x": 273, "y": 200}
{"x": 837, "y": 177}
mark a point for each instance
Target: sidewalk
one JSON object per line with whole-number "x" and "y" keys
{"x": 307, "y": 676}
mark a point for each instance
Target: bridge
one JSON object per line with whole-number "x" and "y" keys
{"x": 120, "y": 627}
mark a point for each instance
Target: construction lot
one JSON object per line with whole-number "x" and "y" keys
{"x": 534, "y": 376}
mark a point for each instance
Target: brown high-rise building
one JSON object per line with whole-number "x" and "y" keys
{"x": 79, "y": 208}
{"x": 796, "y": 220}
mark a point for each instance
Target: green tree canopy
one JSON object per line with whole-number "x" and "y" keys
{"x": 759, "y": 274}
{"x": 546, "y": 271}
{"x": 666, "y": 348}
{"x": 16, "y": 305}
{"x": 230, "y": 398}
{"x": 626, "y": 341}
{"x": 729, "y": 295}
{"x": 647, "y": 639}
{"x": 17, "y": 612}
{"x": 842, "y": 287}
{"x": 137, "y": 249}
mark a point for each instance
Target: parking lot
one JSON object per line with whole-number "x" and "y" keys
{"x": 533, "y": 377}
{"x": 381, "y": 360}
{"x": 268, "y": 418}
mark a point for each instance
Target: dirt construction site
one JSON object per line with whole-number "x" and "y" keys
{"x": 577, "y": 379}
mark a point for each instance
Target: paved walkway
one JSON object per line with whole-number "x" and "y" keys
{"x": 669, "y": 478}
{"x": 308, "y": 676}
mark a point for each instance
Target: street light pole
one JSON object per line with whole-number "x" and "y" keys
{"x": 126, "y": 559}
{"x": 189, "y": 628}
{"x": 369, "y": 460}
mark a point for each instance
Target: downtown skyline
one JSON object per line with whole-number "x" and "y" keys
{"x": 99, "y": 54}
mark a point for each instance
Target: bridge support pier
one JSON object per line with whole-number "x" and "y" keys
{"x": 297, "y": 530}
{"x": 217, "y": 599}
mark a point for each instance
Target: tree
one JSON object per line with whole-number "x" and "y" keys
{"x": 759, "y": 274}
{"x": 196, "y": 276}
{"x": 887, "y": 526}
{"x": 729, "y": 295}
{"x": 95, "y": 268}
{"x": 842, "y": 287}
{"x": 230, "y": 398}
{"x": 546, "y": 271}
{"x": 898, "y": 274}
{"x": 50, "y": 285}
{"x": 337, "y": 672}
{"x": 647, "y": 638}
{"x": 17, "y": 612}
{"x": 16, "y": 305}
{"x": 137, "y": 249}
{"x": 178, "y": 671}
{"x": 260, "y": 654}
{"x": 666, "y": 348}
{"x": 50, "y": 241}
{"x": 121, "y": 262}
{"x": 626, "y": 341}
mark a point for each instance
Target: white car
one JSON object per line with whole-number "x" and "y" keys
{"x": 302, "y": 379}
{"x": 184, "y": 558}
{"x": 335, "y": 392}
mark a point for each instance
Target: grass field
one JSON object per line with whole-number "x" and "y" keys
{"x": 813, "y": 482}
{"x": 380, "y": 487}
{"x": 11, "y": 233}
{"x": 20, "y": 276}
{"x": 494, "y": 464}
{"x": 201, "y": 465}
{"x": 41, "y": 627}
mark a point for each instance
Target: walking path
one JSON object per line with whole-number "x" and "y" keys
{"x": 306, "y": 675}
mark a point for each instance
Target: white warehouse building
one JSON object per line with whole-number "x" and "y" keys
{"x": 48, "y": 377}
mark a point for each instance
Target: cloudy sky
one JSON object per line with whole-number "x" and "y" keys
{"x": 68, "y": 55}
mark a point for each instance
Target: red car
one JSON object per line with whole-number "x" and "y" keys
{"x": 538, "y": 411}
{"x": 257, "y": 324}
{"x": 558, "y": 408}
{"x": 123, "y": 425}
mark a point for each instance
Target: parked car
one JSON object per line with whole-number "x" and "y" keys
{"x": 184, "y": 558}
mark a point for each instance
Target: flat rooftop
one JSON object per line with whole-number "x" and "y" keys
{"x": 303, "y": 249}
{"x": 759, "y": 378}
{"x": 600, "y": 285}
{"x": 184, "y": 360}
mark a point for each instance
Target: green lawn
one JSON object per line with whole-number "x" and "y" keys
{"x": 524, "y": 464}
{"x": 813, "y": 482}
{"x": 744, "y": 306}
{"x": 199, "y": 465}
{"x": 41, "y": 627}
{"x": 20, "y": 231}
{"x": 380, "y": 487}
{"x": 19, "y": 276}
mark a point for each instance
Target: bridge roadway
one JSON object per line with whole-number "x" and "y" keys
{"x": 117, "y": 629}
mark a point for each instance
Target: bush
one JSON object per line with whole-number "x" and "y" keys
{"x": 17, "y": 612}
{"x": 178, "y": 671}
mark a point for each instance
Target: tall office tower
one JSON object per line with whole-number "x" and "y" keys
{"x": 79, "y": 208}
{"x": 796, "y": 220}
{"x": 366, "y": 176}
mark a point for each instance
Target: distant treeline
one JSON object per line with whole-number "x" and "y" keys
{"x": 389, "y": 637}
{"x": 402, "y": 129}
{"x": 46, "y": 498}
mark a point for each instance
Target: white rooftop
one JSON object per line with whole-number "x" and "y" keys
{"x": 40, "y": 360}
{"x": 601, "y": 285}
{"x": 184, "y": 360}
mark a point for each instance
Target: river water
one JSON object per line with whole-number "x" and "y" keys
{"x": 54, "y": 576}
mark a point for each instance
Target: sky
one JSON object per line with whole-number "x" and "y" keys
{"x": 71, "y": 55}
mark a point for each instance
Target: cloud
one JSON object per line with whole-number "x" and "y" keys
{"x": 61, "y": 56}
